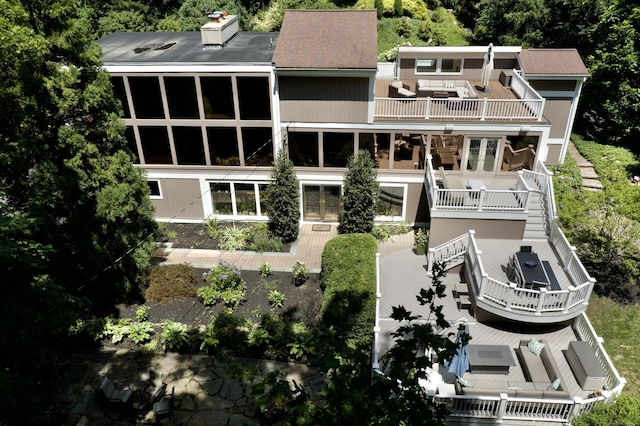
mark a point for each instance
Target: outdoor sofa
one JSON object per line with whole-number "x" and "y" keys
{"x": 459, "y": 88}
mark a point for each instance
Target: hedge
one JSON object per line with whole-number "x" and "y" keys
{"x": 348, "y": 277}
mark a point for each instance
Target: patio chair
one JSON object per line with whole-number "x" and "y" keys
{"x": 164, "y": 407}
{"x": 153, "y": 388}
{"x": 113, "y": 394}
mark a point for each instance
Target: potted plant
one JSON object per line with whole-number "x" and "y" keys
{"x": 422, "y": 238}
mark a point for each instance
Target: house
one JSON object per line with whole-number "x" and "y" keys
{"x": 206, "y": 112}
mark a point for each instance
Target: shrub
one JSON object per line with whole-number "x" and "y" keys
{"x": 232, "y": 238}
{"x": 169, "y": 282}
{"x": 361, "y": 192}
{"x": 403, "y": 27}
{"x": 348, "y": 277}
{"x": 276, "y": 298}
{"x": 300, "y": 273}
{"x": 174, "y": 335}
{"x": 424, "y": 31}
{"x": 283, "y": 200}
{"x": 142, "y": 313}
{"x": 118, "y": 330}
{"x": 212, "y": 228}
{"x": 225, "y": 284}
{"x": 265, "y": 269}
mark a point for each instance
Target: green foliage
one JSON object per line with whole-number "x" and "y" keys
{"x": 170, "y": 282}
{"x": 386, "y": 231}
{"x": 118, "y": 330}
{"x": 403, "y": 28}
{"x": 225, "y": 284}
{"x": 424, "y": 31}
{"x": 348, "y": 277}
{"x": 504, "y": 22}
{"x": 192, "y": 14}
{"x": 122, "y": 21}
{"x": 265, "y": 269}
{"x": 379, "y": 6}
{"x": 232, "y": 238}
{"x": 283, "y": 200}
{"x": 276, "y": 299}
{"x": 360, "y": 195}
{"x": 397, "y": 8}
{"x": 142, "y": 313}
{"x": 270, "y": 19}
{"x": 140, "y": 332}
{"x": 300, "y": 273}
{"x": 213, "y": 228}
{"x": 624, "y": 411}
{"x": 174, "y": 335}
{"x": 422, "y": 237}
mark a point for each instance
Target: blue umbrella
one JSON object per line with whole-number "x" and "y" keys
{"x": 459, "y": 364}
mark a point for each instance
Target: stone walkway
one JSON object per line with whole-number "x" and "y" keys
{"x": 590, "y": 179}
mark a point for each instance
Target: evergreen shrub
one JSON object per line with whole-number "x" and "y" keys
{"x": 169, "y": 282}
{"x": 348, "y": 277}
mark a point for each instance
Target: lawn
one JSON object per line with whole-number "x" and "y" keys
{"x": 619, "y": 326}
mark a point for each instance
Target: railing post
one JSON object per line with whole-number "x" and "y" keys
{"x": 483, "y": 110}
{"x": 543, "y": 293}
{"x": 427, "y": 109}
{"x": 512, "y": 291}
{"x": 483, "y": 194}
{"x": 502, "y": 407}
{"x": 592, "y": 283}
{"x": 430, "y": 257}
{"x": 576, "y": 409}
{"x": 572, "y": 290}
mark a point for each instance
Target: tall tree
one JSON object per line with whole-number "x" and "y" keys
{"x": 361, "y": 192}
{"x": 283, "y": 199}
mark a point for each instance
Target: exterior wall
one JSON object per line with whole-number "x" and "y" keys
{"x": 178, "y": 194}
{"x": 324, "y": 99}
{"x": 558, "y": 111}
{"x": 553, "y": 155}
{"x": 471, "y": 68}
{"x": 443, "y": 229}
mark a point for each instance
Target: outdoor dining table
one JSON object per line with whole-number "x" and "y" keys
{"x": 531, "y": 269}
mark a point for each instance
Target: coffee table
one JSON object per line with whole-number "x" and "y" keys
{"x": 440, "y": 94}
{"x": 490, "y": 359}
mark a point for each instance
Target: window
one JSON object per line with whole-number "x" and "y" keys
{"x": 337, "y": 148}
{"x": 154, "y": 188}
{"x": 217, "y": 98}
{"x": 131, "y": 143}
{"x": 426, "y": 65}
{"x": 155, "y": 145}
{"x": 238, "y": 198}
{"x": 253, "y": 95}
{"x": 391, "y": 201}
{"x": 121, "y": 95}
{"x": 223, "y": 146}
{"x": 145, "y": 94}
{"x": 437, "y": 66}
{"x": 188, "y": 144}
{"x": 258, "y": 146}
{"x": 303, "y": 149}
{"x": 181, "y": 97}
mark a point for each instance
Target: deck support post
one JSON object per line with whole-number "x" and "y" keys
{"x": 543, "y": 294}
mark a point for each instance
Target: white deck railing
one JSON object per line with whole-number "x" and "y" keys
{"x": 516, "y": 200}
{"x": 387, "y": 70}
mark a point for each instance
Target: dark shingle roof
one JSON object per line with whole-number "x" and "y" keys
{"x": 328, "y": 39}
{"x": 552, "y": 61}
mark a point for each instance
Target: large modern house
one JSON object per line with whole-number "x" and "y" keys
{"x": 461, "y": 138}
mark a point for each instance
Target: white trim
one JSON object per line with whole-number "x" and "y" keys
{"x": 200, "y": 68}
{"x": 403, "y": 215}
{"x": 441, "y": 50}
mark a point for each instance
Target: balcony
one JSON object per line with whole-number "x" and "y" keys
{"x": 518, "y": 102}
{"x": 402, "y": 275}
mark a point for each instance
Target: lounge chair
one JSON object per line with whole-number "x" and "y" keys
{"x": 115, "y": 395}
{"x": 164, "y": 407}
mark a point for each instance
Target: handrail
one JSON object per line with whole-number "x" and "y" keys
{"x": 448, "y": 251}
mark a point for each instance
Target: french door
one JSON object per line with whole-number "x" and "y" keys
{"x": 481, "y": 156}
{"x": 321, "y": 202}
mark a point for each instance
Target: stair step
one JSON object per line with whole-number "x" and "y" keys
{"x": 461, "y": 289}
{"x": 592, "y": 183}
{"x": 588, "y": 173}
{"x": 463, "y": 302}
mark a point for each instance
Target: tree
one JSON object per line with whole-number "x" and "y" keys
{"x": 379, "y": 8}
{"x": 508, "y": 23}
{"x": 361, "y": 192}
{"x": 397, "y": 7}
{"x": 192, "y": 15}
{"x": 283, "y": 199}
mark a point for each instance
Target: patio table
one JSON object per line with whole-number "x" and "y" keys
{"x": 531, "y": 269}
{"x": 490, "y": 359}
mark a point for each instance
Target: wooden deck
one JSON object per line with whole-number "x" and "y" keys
{"x": 403, "y": 273}
{"x": 497, "y": 90}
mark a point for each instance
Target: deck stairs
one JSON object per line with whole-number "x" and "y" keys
{"x": 535, "y": 228}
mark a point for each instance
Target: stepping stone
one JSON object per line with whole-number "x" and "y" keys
{"x": 588, "y": 173}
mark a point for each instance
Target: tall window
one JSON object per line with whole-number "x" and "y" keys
{"x": 121, "y": 95}
{"x": 253, "y": 95}
{"x": 337, "y": 148}
{"x": 223, "y": 146}
{"x": 181, "y": 97}
{"x": 131, "y": 143}
{"x": 258, "y": 146}
{"x": 221, "y": 198}
{"x": 217, "y": 97}
{"x": 155, "y": 145}
{"x": 303, "y": 148}
{"x": 391, "y": 201}
{"x": 145, "y": 93}
{"x": 188, "y": 144}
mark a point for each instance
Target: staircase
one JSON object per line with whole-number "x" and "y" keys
{"x": 535, "y": 228}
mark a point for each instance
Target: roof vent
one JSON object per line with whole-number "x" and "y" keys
{"x": 220, "y": 29}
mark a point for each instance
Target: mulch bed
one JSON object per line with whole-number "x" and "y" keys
{"x": 302, "y": 303}
{"x": 195, "y": 236}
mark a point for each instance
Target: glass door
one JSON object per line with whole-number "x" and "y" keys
{"x": 481, "y": 156}
{"x": 321, "y": 202}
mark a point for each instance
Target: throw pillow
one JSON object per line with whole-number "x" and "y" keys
{"x": 535, "y": 346}
{"x": 554, "y": 385}
{"x": 465, "y": 383}
{"x": 514, "y": 388}
{"x": 449, "y": 85}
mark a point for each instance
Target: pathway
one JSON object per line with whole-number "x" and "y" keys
{"x": 590, "y": 179}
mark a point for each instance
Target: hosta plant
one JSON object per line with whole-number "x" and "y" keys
{"x": 140, "y": 332}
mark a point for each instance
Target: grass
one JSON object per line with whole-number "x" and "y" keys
{"x": 619, "y": 325}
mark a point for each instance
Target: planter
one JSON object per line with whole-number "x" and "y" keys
{"x": 420, "y": 249}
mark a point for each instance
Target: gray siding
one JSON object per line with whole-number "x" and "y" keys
{"x": 178, "y": 194}
{"x": 324, "y": 99}
{"x": 557, "y": 111}
{"x": 443, "y": 230}
{"x": 553, "y": 155}
{"x": 471, "y": 70}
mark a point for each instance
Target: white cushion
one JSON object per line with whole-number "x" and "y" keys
{"x": 397, "y": 84}
{"x": 535, "y": 347}
{"x": 423, "y": 83}
{"x": 406, "y": 92}
{"x": 448, "y": 85}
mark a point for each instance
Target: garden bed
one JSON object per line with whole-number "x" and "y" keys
{"x": 196, "y": 236}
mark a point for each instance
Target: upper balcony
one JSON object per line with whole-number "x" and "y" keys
{"x": 509, "y": 98}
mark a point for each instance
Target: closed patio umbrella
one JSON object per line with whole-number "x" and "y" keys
{"x": 487, "y": 68}
{"x": 459, "y": 364}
